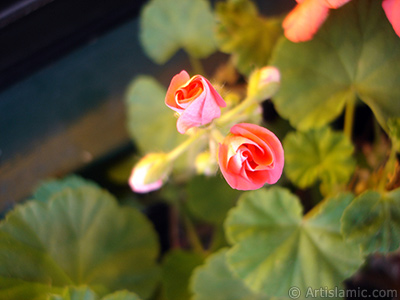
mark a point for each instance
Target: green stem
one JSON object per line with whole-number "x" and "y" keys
{"x": 218, "y": 239}
{"x": 389, "y": 167}
{"x": 217, "y": 135}
{"x": 312, "y": 212}
{"x": 183, "y": 147}
{"x": 349, "y": 117}
{"x": 197, "y": 67}
{"x": 192, "y": 236}
{"x": 231, "y": 114}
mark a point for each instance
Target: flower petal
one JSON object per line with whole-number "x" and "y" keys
{"x": 304, "y": 20}
{"x": 176, "y": 82}
{"x": 335, "y": 3}
{"x": 392, "y": 11}
{"x": 195, "y": 99}
{"x": 192, "y": 115}
{"x": 250, "y": 157}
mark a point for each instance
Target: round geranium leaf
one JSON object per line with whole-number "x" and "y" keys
{"x": 320, "y": 76}
{"x": 318, "y": 154}
{"x": 145, "y": 93}
{"x": 373, "y": 221}
{"x": 80, "y": 237}
{"x": 49, "y": 188}
{"x": 275, "y": 248}
{"x": 214, "y": 280}
{"x": 18, "y": 289}
{"x": 121, "y": 295}
{"x": 169, "y": 25}
{"x": 78, "y": 293}
{"x": 84, "y": 293}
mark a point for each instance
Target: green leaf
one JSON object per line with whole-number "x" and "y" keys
{"x": 244, "y": 34}
{"x": 84, "y": 293}
{"x": 176, "y": 270}
{"x": 168, "y": 25}
{"x": 121, "y": 295}
{"x": 372, "y": 220}
{"x": 318, "y": 154}
{"x": 50, "y": 187}
{"x": 210, "y": 198}
{"x": 214, "y": 280}
{"x": 81, "y": 293}
{"x": 319, "y": 76}
{"x": 80, "y": 237}
{"x": 276, "y": 249}
{"x": 151, "y": 123}
{"x": 18, "y": 289}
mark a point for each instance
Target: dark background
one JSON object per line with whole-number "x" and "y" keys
{"x": 64, "y": 69}
{"x": 35, "y": 32}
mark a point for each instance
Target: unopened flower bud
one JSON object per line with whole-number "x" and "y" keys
{"x": 206, "y": 164}
{"x": 150, "y": 172}
{"x": 264, "y": 83}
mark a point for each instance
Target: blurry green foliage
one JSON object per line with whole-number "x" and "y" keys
{"x": 318, "y": 154}
{"x": 20, "y": 289}
{"x": 209, "y": 198}
{"x": 151, "y": 123}
{"x": 46, "y": 190}
{"x": 168, "y": 25}
{"x": 120, "y": 172}
{"x": 78, "y": 237}
{"x": 84, "y": 293}
{"x": 355, "y": 54}
{"x": 372, "y": 220}
{"x": 177, "y": 268}
{"x": 275, "y": 248}
{"x": 242, "y": 32}
{"x": 215, "y": 280}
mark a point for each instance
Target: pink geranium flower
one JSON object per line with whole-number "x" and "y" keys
{"x": 194, "y": 99}
{"x": 304, "y": 20}
{"x": 250, "y": 156}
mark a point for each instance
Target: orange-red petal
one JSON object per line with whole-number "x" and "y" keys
{"x": 335, "y": 3}
{"x": 392, "y": 11}
{"x": 304, "y": 20}
{"x": 176, "y": 82}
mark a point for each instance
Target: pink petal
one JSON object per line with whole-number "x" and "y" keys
{"x": 250, "y": 157}
{"x": 211, "y": 107}
{"x": 201, "y": 110}
{"x": 268, "y": 140}
{"x": 192, "y": 115}
{"x": 136, "y": 183}
{"x": 392, "y": 11}
{"x": 304, "y": 20}
{"x": 217, "y": 97}
{"x": 145, "y": 188}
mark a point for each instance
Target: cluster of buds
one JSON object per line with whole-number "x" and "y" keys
{"x": 249, "y": 156}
